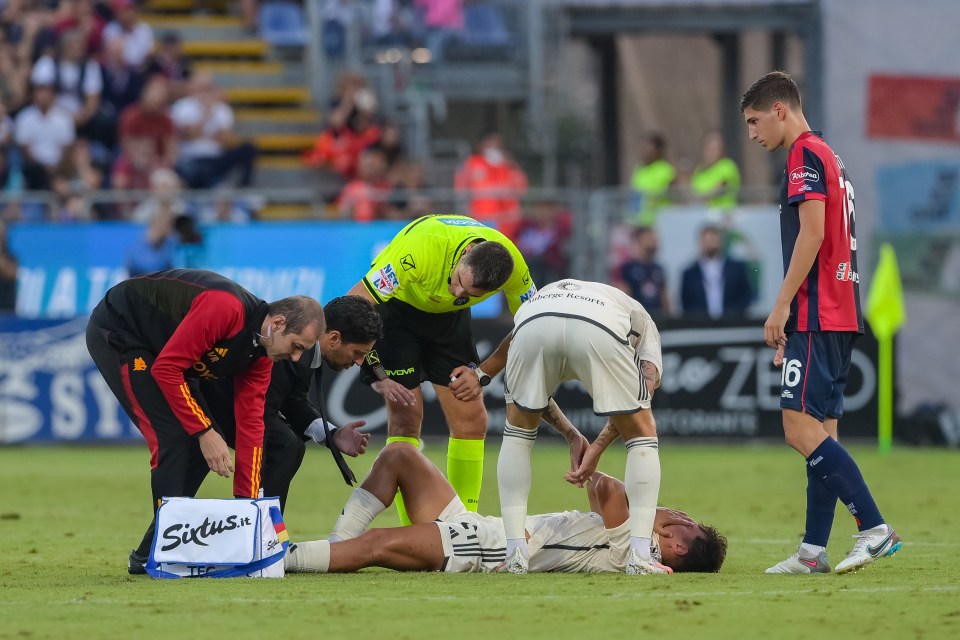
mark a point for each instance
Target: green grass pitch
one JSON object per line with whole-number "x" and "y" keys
{"x": 69, "y": 516}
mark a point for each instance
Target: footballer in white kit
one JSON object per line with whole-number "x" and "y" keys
{"x": 597, "y": 334}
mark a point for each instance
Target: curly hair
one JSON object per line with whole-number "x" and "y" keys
{"x": 355, "y": 317}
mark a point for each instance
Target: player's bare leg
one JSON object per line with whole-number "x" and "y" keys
{"x": 399, "y": 466}
{"x": 403, "y": 425}
{"x": 468, "y": 428}
{"x": 513, "y": 478}
{"x": 414, "y": 548}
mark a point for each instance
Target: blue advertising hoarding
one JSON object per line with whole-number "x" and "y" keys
{"x": 66, "y": 269}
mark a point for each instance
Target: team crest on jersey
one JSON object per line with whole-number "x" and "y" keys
{"x": 386, "y": 280}
{"x": 803, "y": 175}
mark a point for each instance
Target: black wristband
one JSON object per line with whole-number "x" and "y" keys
{"x": 373, "y": 368}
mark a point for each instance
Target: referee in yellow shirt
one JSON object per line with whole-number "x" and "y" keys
{"x": 424, "y": 283}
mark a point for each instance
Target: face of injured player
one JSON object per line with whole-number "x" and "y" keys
{"x": 681, "y": 538}
{"x": 692, "y": 547}
{"x": 281, "y": 344}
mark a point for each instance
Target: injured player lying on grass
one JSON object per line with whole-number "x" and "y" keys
{"x": 444, "y": 536}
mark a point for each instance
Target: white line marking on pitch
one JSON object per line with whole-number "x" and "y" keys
{"x": 628, "y": 594}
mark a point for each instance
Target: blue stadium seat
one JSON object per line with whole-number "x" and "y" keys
{"x": 484, "y": 26}
{"x": 283, "y": 24}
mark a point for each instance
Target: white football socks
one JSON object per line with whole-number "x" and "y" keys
{"x": 642, "y": 481}
{"x": 361, "y": 508}
{"x": 513, "y": 479}
{"x": 308, "y": 557}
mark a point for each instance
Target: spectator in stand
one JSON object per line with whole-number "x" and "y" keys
{"x": 77, "y": 173}
{"x": 155, "y": 251}
{"x": 443, "y": 21}
{"x": 391, "y": 23}
{"x": 6, "y": 143}
{"x": 351, "y": 128}
{"x": 81, "y": 15}
{"x": 149, "y": 118}
{"x": 189, "y": 253}
{"x": 542, "y": 238}
{"x": 365, "y": 197}
{"x": 28, "y": 26}
{"x": 134, "y": 166}
{"x": 716, "y": 180}
{"x": 715, "y": 285}
{"x": 122, "y": 83}
{"x": 225, "y": 208}
{"x": 73, "y": 208}
{"x": 651, "y": 181}
{"x": 390, "y": 144}
{"x": 78, "y": 82}
{"x": 642, "y": 277}
{"x": 208, "y": 149}
{"x": 169, "y": 62}
{"x": 43, "y": 131}
{"x": 407, "y": 200}
{"x": 14, "y": 76}
{"x": 165, "y": 197}
{"x": 494, "y": 183}
{"x": 135, "y": 35}
{"x": 8, "y": 273}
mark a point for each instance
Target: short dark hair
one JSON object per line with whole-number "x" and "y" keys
{"x": 300, "y": 312}
{"x": 355, "y": 317}
{"x": 705, "y": 554}
{"x": 491, "y": 265}
{"x": 776, "y": 86}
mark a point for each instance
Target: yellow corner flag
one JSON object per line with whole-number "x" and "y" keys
{"x": 886, "y": 315}
{"x": 885, "y": 310}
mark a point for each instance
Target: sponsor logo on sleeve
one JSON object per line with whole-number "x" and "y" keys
{"x": 386, "y": 280}
{"x": 532, "y": 291}
{"x": 804, "y": 175}
{"x": 460, "y": 222}
{"x": 407, "y": 262}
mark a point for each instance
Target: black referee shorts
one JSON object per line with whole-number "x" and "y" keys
{"x": 418, "y": 346}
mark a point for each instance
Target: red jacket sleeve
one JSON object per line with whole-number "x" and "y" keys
{"x": 250, "y": 391}
{"x": 214, "y": 315}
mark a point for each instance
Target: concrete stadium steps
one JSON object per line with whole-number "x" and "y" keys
{"x": 226, "y": 49}
{"x": 240, "y": 74}
{"x": 288, "y": 211}
{"x": 288, "y": 171}
{"x": 199, "y": 28}
{"x": 182, "y": 6}
{"x": 283, "y": 143}
{"x": 274, "y": 96}
{"x": 253, "y": 122}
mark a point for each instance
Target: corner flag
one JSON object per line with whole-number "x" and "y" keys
{"x": 886, "y": 315}
{"x": 885, "y": 310}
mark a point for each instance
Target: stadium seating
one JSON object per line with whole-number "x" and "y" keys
{"x": 283, "y": 24}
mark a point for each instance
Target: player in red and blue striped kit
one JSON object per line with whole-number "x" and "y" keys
{"x": 814, "y": 323}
